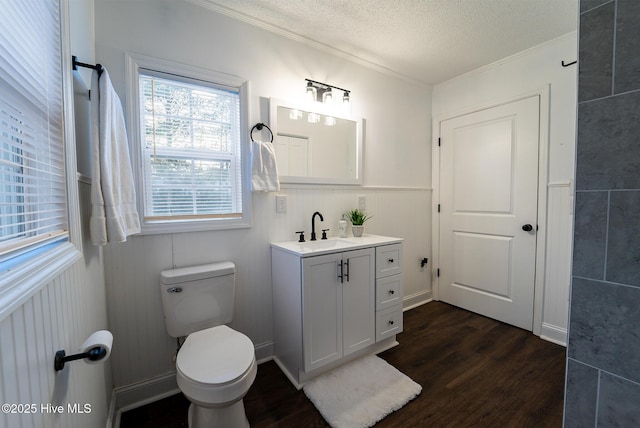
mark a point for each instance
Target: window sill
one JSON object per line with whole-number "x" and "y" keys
{"x": 19, "y": 284}
{"x": 157, "y": 228}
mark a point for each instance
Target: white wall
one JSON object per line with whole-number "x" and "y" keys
{"x": 59, "y": 316}
{"x": 396, "y": 172}
{"x": 523, "y": 73}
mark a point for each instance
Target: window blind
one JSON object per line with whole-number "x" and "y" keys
{"x": 191, "y": 150}
{"x": 33, "y": 208}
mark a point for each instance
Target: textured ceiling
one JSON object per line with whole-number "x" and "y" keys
{"x": 428, "y": 41}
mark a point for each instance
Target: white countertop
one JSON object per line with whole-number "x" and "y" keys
{"x": 333, "y": 244}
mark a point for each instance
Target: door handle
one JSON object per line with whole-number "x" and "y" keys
{"x": 527, "y": 228}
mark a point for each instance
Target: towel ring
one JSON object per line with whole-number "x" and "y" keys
{"x": 259, "y": 127}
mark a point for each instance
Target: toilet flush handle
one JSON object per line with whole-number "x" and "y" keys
{"x": 174, "y": 290}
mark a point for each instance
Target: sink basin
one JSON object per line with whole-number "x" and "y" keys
{"x": 331, "y": 245}
{"x": 323, "y": 244}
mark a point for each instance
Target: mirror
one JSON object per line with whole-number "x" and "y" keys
{"x": 315, "y": 148}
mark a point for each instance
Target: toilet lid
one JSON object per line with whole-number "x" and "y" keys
{"x": 216, "y": 355}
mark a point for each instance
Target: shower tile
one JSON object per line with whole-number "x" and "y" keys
{"x": 581, "y": 395}
{"x": 590, "y": 232}
{"x": 608, "y": 153}
{"x": 618, "y": 403}
{"x": 596, "y": 52}
{"x": 603, "y": 327}
{"x": 623, "y": 252}
{"x": 627, "y": 60}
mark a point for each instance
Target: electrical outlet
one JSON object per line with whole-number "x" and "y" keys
{"x": 281, "y": 204}
{"x": 362, "y": 203}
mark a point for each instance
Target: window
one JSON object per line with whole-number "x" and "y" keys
{"x": 190, "y": 148}
{"x": 34, "y": 216}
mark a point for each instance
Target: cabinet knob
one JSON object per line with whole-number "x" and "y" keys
{"x": 390, "y": 322}
{"x": 392, "y": 292}
{"x": 390, "y": 260}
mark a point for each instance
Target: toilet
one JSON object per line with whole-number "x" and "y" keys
{"x": 216, "y": 365}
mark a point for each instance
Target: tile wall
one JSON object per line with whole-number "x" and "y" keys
{"x": 603, "y": 370}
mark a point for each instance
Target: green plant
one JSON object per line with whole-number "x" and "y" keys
{"x": 357, "y": 217}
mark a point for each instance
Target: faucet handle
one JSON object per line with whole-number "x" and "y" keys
{"x": 301, "y": 236}
{"x": 324, "y": 233}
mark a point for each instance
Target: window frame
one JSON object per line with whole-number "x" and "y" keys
{"x": 35, "y": 268}
{"x": 134, "y": 63}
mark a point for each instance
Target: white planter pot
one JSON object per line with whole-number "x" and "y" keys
{"x": 357, "y": 230}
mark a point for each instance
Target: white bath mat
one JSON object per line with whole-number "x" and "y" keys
{"x": 361, "y": 393}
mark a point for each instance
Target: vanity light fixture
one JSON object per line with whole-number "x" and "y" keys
{"x": 313, "y": 118}
{"x": 329, "y": 120}
{"x": 323, "y": 92}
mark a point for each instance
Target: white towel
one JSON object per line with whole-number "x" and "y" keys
{"x": 114, "y": 214}
{"x": 264, "y": 167}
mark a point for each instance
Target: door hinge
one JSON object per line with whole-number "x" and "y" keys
{"x": 438, "y": 207}
{"x": 438, "y": 273}
{"x": 439, "y": 141}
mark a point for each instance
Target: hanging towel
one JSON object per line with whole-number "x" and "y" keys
{"x": 264, "y": 168}
{"x": 114, "y": 215}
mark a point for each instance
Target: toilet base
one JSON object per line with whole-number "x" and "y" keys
{"x": 232, "y": 416}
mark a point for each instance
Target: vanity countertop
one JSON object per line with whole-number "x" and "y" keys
{"x": 333, "y": 244}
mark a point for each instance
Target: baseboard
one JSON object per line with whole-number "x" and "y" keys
{"x": 138, "y": 394}
{"x": 552, "y": 333}
{"x": 416, "y": 299}
{"x": 264, "y": 352}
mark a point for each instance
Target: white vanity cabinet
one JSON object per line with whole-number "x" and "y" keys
{"x": 389, "y": 291}
{"x": 338, "y": 293}
{"x": 333, "y": 301}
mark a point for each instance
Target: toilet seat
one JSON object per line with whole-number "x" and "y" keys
{"x": 216, "y": 366}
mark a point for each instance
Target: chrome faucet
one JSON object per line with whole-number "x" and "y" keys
{"x": 313, "y": 224}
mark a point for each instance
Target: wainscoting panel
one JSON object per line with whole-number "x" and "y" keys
{"x": 60, "y": 316}
{"x": 558, "y": 263}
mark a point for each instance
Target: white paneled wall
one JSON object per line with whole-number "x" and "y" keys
{"x": 60, "y": 316}
{"x": 144, "y": 351}
{"x": 555, "y": 315}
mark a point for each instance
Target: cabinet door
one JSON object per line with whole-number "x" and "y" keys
{"x": 322, "y": 310}
{"x": 358, "y": 300}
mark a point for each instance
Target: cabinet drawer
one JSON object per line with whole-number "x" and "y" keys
{"x": 388, "y": 260}
{"x": 388, "y": 291}
{"x": 388, "y": 322}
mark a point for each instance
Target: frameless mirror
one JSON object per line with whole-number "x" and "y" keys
{"x": 315, "y": 147}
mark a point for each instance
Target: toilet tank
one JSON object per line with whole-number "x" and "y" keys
{"x": 197, "y": 297}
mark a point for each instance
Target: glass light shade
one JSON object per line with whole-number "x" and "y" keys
{"x": 327, "y": 96}
{"x": 329, "y": 120}
{"x": 313, "y": 118}
{"x": 295, "y": 114}
{"x": 311, "y": 93}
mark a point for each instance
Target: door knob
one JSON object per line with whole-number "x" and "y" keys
{"x": 527, "y": 228}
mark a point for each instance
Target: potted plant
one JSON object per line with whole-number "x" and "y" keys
{"x": 357, "y": 218}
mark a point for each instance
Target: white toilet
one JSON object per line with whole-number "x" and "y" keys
{"x": 216, "y": 365}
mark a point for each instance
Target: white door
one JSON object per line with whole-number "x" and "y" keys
{"x": 488, "y": 211}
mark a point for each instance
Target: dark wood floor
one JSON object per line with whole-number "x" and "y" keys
{"x": 474, "y": 371}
